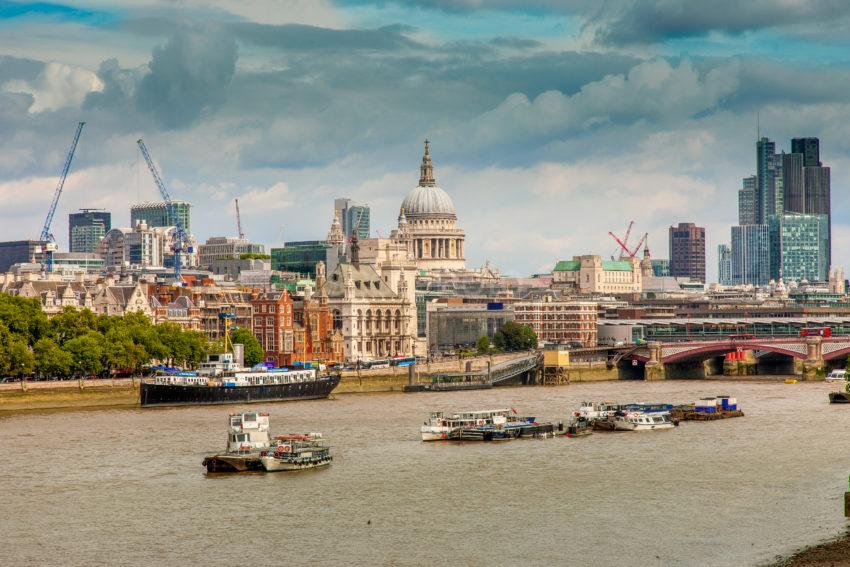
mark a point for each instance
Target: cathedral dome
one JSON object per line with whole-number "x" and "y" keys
{"x": 427, "y": 199}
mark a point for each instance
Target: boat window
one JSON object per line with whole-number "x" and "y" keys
{"x": 250, "y": 417}
{"x": 235, "y": 421}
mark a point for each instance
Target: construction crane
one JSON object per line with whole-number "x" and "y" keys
{"x": 181, "y": 242}
{"x": 624, "y": 244}
{"x": 47, "y": 236}
{"x": 239, "y": 221}
{"x": 625, "y": 248}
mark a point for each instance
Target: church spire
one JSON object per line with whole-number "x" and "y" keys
{"x": 426, "y": 176}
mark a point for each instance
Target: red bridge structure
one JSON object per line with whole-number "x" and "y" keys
{"x": 807, "y": 356}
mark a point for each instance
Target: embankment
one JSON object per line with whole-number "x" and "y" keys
{"x": 68, "y": 394}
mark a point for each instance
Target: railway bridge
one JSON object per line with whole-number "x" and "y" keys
{"x": 808, "y": 356}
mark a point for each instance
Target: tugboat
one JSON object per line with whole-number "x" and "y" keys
{"x": 579, "y": 427}
{"x": 247, "y": 437}
{"x": 297, "y": 452}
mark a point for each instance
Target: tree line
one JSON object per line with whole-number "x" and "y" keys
{"x": 76, "y": 343}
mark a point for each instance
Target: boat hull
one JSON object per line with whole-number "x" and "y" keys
{"x": 233, "y": 463}
{"x": 839, "y": 398}
{"x": 435, "y": 434}
{"x": 151, "y": 394}
{"x": 270, "y": 464}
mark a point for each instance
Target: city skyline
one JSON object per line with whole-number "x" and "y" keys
{"x": 296, "y": 107}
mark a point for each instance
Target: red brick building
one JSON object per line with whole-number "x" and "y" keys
{"x": 272, "y": 324}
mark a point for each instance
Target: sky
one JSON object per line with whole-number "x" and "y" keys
{"x": 551, "y": 122}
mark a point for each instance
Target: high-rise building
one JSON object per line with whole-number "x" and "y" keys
{"x": 816, "y": 181}
{"x": 353, "y": 218}
{"x": 810, "y": 148}
{"x": 87, "y": 228}
{"x": 747, "y": 201}
{"x": 20, "y": 252}
{"x": 798, "y": 247}
{"x": 160, "y": 214}
{"x": 724, "y": 264}
{"x": 750, "y": 254}
{"x": 792, "y": 178}
{"x": 687, "y": 251}
{"x": 660, "y": 267}
{"x": 300, "y": 257}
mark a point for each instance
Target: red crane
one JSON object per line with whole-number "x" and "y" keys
{"x": 624, "y": 243}
{"x": 625, "y": 247}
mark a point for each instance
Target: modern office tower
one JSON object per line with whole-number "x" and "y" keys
{"x": 300, "y": 257}
{"x": 87, "y": 228}
{"x": 816, "y": 182}
{"x": 792, "y": 178}
{"x": 353, "y": 217}
{"x": 798, "y": 244}
{"x": 810, "y": 148}
{"x": 724, "y": 264}
{"x": 159, "y": 214}
{"x": 770, "y": 191}
{"x": 750, "y": 254}
{"x": 20, "y": 252}
{"x": 660, "y": 267}
{"x": 747, "y": 201}
{"x": 687, "y": 251}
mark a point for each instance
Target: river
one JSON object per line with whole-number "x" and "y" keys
{"x": 126, "y": 486}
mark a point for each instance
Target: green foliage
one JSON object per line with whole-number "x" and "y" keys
{"x": 513, "y": 336}
{"x": 483, "y": 345}
{"x": 80, "y": 342}
{"x": 86, "y": 353}
{"x": 254, "y": 256}
{"x": 253, "y": 350}
{"x": 50, "y": 360}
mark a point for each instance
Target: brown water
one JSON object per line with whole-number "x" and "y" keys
{"x": 126, "y": 486}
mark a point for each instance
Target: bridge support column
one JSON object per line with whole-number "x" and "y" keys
{"x": 654, "y": 369}
{"x": 814, "y": 367}
{"x": 742, "y": 365}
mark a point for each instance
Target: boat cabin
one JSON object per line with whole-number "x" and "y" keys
{"x": 248, "y": 431}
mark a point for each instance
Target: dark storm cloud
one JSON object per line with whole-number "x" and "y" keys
{"x": 187, "y": 76}
{"x": 310, "y": 38}
{"x": 640, "y": 21}
{"x": 16, "y": 68}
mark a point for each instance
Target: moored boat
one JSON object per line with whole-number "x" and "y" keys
{"x": 486, "y": 425}
{"x": 221, "y": 381}
{"x": 579, "y": 427}
{"x": 247, "y": 437}
{"x": 841, "y": 396}
{"x": 296, "y": 452}
{"x": 643, "y": 421}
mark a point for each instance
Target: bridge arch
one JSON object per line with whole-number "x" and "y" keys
{"x": 717, "y": 349}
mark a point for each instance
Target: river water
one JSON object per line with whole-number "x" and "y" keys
{"x": 126, "y": 486}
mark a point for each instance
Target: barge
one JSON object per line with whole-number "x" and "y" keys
{"x": 221, "y": 381}
{"x": 247, "y": 438}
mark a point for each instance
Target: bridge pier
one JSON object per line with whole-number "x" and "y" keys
{"x": 814, "y": 367}
{"x": 745, "y": 365}
{"x": 654, "y": 369}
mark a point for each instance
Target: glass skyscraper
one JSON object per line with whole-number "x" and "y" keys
{"x": 724, "y": 264}
{"x": 353, "y": 218}
{"x": 87, "y": 228}
{"x": 750, "y": 254}
{"x": 160, "y": 214}
{"x": 799, "y": 247}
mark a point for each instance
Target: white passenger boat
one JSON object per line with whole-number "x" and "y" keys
{"x": 836, "y": 376}
{"x": 442, "y": 426}
{"x": 247, "y": 437}
{"x": 594, "y": 410}
{"x": 643, "y": 421}
{"x": 297, "y": 452}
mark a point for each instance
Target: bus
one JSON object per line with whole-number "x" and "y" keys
{"x": 382, "y": 363}
{"x": 743, "y": 337}
{"x": 403, "y": 360}
{"x": 815, "y": 332}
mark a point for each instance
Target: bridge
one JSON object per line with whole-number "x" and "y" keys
{"x": 812, "y": 354}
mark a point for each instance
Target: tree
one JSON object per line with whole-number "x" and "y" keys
{"x": 87, "y": 353}
{"x": 50, "y": 360}
{"x": 513, "y": 336}
{"x": 19, "y": 355}
{"x": 483, "y": 345}
{"x": 253, "y": 350}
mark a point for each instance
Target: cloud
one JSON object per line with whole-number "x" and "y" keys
{"x": 56, "y": 86}
{"x": 310, "y": 38}
{"x": 187, "y": 77}
{"x": 654, "y": 91}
